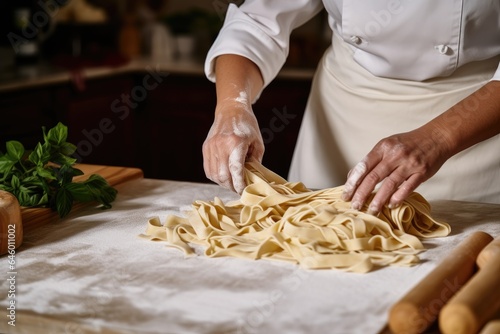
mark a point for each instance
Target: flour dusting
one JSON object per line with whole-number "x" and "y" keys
{"x": 224, "y": 177}
{"x": 236, "y": 161}
{"x": 241, "y": 129}
{"x": 243, "y": 98}
{"x": 356, "y": 173}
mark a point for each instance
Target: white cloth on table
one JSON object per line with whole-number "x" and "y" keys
{"x": 92, "y": 270}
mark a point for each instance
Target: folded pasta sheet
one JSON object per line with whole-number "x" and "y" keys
{"x": 276, "y": 219}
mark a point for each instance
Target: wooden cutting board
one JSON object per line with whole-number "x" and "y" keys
{"x": 36, "y": 217}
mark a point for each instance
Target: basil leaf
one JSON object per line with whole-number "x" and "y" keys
{"x": 15, "y": 150}
{"x": 64, "y": 202}
{"x": 23, "y": 198}
{"x": 77, "y": 172}
{"x": 15, "y": 183}
{"x": 44, "y": 200}
{"x": 5, "y": 187}
{"x": 40, "y": 156}
{"x": 6, "y": 164}
{"x": 58, "y": 134}
{"x": 65, "y": 174}
{"x": 63, "y": 160}
{"x": 45, "y": 173}
{"x": 67, "y": 149}
{"x": 80, "y": 192}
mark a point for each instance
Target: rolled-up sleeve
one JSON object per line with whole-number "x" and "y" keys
{"x": 260, "y": 31}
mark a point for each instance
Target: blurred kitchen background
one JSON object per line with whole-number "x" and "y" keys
{"x": 127, "y": 79}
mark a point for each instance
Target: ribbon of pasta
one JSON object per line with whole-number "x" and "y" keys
{"x": 280, "y": 220}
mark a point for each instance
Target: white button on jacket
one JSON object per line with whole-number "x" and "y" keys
{"x": 401, "y": 39}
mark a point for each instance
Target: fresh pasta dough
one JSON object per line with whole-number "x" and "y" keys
{"x": 276, "y": 219}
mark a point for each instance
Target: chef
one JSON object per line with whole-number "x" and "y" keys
{"x": 407, "y": 98}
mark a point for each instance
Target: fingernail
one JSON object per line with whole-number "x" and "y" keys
{"x": 373, "y": 210}
{"x": 393, "y": 205}
{"x": 356, "y": 205}
{"x": 345, "y": 196}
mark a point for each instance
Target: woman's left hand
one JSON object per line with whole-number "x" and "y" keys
{"x": 401, "y": 162}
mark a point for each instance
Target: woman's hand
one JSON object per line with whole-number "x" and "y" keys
{"x": 235, "y": 135}
{"x": 233, "y": 138}
{"x": 401, "y": 162}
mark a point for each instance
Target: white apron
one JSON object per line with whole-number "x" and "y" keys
{"x": 350, "y": 110}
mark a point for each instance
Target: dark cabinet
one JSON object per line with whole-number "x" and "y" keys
{"x": 22, "y": 115}
{"x": 173, "y": 122}
{"x": 279, "y": 111}
{"x": 103, "y": 133}
{"x": 99, "y": 133}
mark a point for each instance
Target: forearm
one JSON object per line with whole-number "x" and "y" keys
{"x": 237, "y": 79}
{"x": 472, "y": 120}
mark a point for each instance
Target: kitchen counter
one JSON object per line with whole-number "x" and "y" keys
{"x": 13, "y": 78}
{"x": 91, "y": 273}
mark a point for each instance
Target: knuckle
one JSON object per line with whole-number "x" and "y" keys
{"x": 411, "y": 184}
{"x": 373, "y": 178}
{"x": 398, "y": 197}
{"x": 362, "y": 193}
{"x": 390, "y": 143}
{"x": 230, "y": 139}
{"x": 404, "y": 190}
{"x": 206, "y": 146}
{"x": 392, "y": 182}
{"x": 418, "y": 164}
{"x": 401, "y": 194}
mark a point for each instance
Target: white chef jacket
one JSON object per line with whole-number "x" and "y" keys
{"x": 400, "y": 39}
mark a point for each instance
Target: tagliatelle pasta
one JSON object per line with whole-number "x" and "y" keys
{"x": 276, "y": 219}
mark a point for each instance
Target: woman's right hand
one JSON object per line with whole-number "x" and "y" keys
{"x": 235, "y": 135}
{"x": 233, "y": 139}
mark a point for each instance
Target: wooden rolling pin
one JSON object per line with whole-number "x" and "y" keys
{"x": 479, "y": 300}
{"x": 420, "y": 307}
{"x": 492, "y": 327}
{"x": 492, "y": 250}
